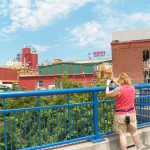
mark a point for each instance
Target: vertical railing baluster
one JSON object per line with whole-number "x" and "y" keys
{"x": 107, "y": 114}
{"x": 44, "y": 129}
{"x": 61, "y": 122}
{"x": 25, "y": 134}
{"x": 87, "y": 125}
{"x": 15, "y": 129}
{"x": 111, "y": 114}
{"x": 88, "y": 119}
{"x": 65, "y": 121}
{"x": 10, "y": 133}
{"x": 48, "y": 126}
{"x": 69, "y": 128}
{"x": 20, "y": 121}
{"x": 5, "y": 125}
{"x": 39, "y": 119}
{"x": 73, "y": 125}
{"x": 100, "y": 117}
{"x": 77, "y": 121}
{"x": 140, "y": 106}
{"x": 34, "y": 130}
{"x": 84, "y": 120}
{"x": 81, "y": 121}
{"x": 57, "y": 123}
{"x": 91, "y": 119}
{"x": 95, "y": 111}
{"x": 30, "y": 128}
{"x": 52, "y": 126}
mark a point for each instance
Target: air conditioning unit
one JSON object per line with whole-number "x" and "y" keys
{"x": 148, "y": 63}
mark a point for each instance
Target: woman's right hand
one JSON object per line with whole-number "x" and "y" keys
{"x": 108, "y": 82}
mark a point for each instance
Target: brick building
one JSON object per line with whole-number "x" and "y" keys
{"x": 131, "y": 54}
{"x": 9, "y": 75}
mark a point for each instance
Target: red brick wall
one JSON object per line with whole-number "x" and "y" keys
{"x": 30, "y": 82}
{"x": 8, "y": 75}
{"x": 128, "y": 57}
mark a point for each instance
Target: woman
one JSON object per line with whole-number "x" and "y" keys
{"x": 125, "y": 115}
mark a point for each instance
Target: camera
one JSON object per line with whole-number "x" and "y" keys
{"x": 127, "y": 119}
{"x": 111, "y": 81}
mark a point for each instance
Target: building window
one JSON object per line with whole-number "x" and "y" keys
{"x": 145, "y": 55}
{"x": 40, "y": 83}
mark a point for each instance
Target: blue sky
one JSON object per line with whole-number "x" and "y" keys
{"x": 66, "y": 29}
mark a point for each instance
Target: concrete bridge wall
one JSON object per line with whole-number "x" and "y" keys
{"x": 111, "y": 143}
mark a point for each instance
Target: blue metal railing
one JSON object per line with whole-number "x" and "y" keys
{"x": 84, "y": 114}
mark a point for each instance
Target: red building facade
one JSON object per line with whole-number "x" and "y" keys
{"x": 44, "y": 82}
{"x": 9, "y": 75}
{"x": 130, "y": 57}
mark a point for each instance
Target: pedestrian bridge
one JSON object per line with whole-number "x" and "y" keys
{"x": 64, "y": 119}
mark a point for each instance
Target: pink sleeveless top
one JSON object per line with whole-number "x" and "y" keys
{"x": 125, "y": 100}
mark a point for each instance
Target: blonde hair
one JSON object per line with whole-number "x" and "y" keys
{"x": 124, "y": 79}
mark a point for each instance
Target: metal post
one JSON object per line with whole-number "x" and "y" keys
{"x": 140, "y": 106}
{"x": 5, "y": 125}
{"x": 95, "y": 111}
{"x": 69, "y": 128}
{"x": 39, "y": 119}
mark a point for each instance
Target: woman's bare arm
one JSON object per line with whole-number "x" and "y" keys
{"x": 112, "y": 93}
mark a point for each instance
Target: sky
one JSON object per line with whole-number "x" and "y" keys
{"x": 69, "y": 30}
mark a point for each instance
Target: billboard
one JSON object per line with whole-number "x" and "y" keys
{"x": 99, "y": 53}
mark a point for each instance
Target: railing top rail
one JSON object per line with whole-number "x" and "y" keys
{"x": 61, "y": 91}
{"x": 142, "y": 85}
{"x": 50, "y": 92}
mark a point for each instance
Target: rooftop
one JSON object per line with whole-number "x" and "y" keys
{"x": 129, "y": 35}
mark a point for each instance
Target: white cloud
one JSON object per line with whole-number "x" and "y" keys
{"x": 139, "y": 17}
{"x": 98, "y": 33}
{"x": 33, "y": 14}
{"x": 90, "y": 33}
{"x": 43, "y": 48}
{"x": 115, "y": 19}
{"x": 124, "y": 21}
{"x": 40, "y": 48}
{"x": 107, "y": 1}
{"x": 3, "y": 8}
